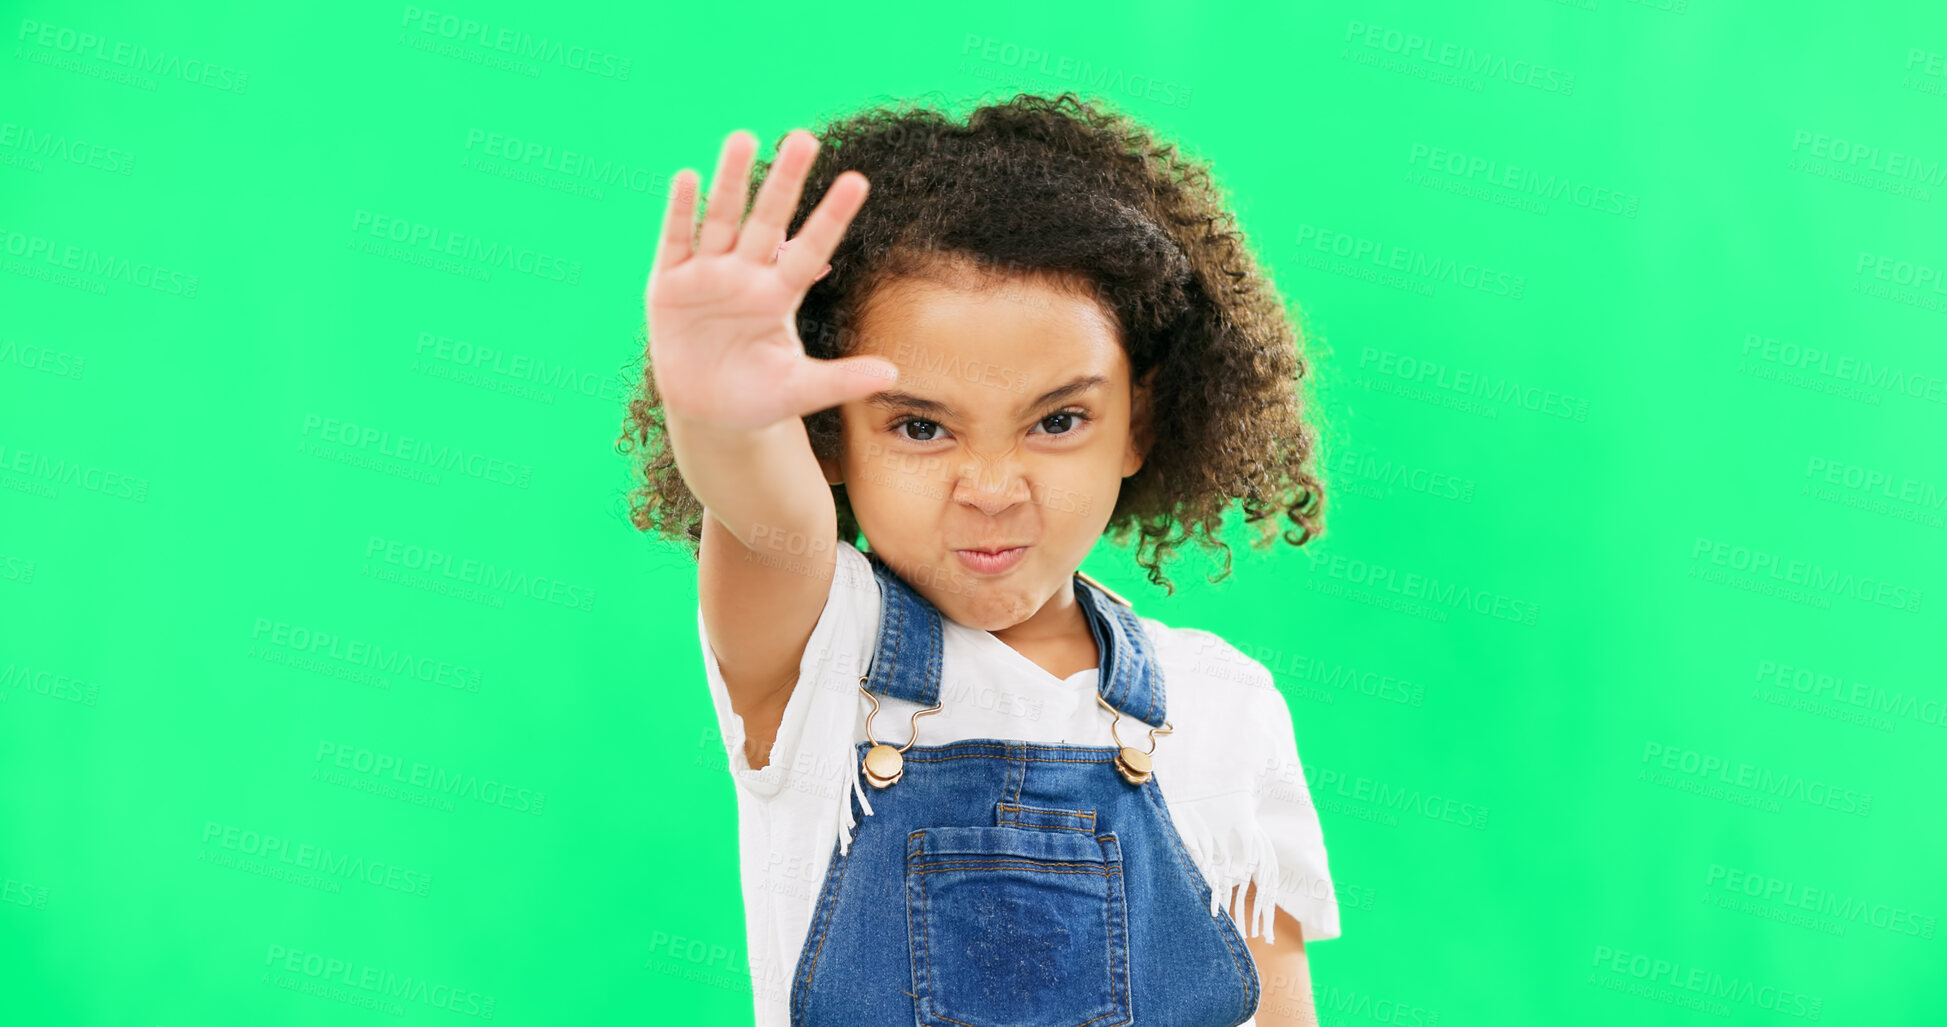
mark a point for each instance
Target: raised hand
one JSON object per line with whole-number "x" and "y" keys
{"x": 723, "y": 337}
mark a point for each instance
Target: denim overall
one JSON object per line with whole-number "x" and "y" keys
{"x": 1006, "y": 883}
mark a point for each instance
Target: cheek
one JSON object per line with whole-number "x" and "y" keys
{"x": 895, "y": 487}
{"x": 1079, "y": 488}
{"x": 901, "y": 473}
{"x": 1099, "y": 481}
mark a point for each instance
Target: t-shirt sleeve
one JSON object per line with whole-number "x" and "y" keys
{"x": 1288, "y": 819}
{"x": 819, "y": 715}
{"x": 1247, "y": 815}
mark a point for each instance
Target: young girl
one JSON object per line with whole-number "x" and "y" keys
{"x": 1042, "y": 325}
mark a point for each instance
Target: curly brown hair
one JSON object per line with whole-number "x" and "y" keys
{"x": 1062, "y": 185}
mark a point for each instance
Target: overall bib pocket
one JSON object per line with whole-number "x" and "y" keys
{"x": 1017, "y": 927}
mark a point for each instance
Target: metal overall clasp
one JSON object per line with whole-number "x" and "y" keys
{"x": 883, "y": 764}
{"x": 1133, "y": 764}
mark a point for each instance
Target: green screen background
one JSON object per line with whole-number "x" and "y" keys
{"x": 1617, "y": 674}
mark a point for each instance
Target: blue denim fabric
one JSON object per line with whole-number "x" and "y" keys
{"x": 1006, "y": 883}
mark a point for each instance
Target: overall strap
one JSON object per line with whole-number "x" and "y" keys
{"x": 906, "y": 662}
{"x": 1131, "y": 678}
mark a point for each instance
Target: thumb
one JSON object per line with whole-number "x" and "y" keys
{"x": 827, "y": 383}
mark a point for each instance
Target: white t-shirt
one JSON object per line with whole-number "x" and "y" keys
{"x": 1228, "y": 770}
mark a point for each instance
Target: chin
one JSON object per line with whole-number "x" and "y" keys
{"x": 995, "y": 605}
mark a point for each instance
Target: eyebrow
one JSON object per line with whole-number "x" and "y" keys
{"x": 892, "y": 398}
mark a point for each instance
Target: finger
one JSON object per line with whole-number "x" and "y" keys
{"x": 727, "y": 191}
{"x": 779, "y": 252}
{"x": 679, "y": 219}
{"x": 804, "y": 260}
{"x": 777, "y": 198}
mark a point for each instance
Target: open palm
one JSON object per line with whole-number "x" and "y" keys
{"x": 723, "y": 338}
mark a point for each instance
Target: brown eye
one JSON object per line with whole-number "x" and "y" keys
{"x": 931, "y": 429}
{"x": 1063, "y": 422}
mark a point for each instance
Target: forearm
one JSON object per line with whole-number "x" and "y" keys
{"x": 763, "y": 485}
{"x": 1284, "y": 976}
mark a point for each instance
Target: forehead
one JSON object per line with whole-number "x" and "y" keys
{"x": 1026, "y": 331}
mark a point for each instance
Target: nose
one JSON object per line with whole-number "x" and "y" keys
{"x": 990, "y": 486}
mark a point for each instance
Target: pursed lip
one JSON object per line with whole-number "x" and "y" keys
{"x": 996, "y": 561}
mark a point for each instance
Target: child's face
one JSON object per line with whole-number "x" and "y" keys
{"x": 964, "y": 453}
